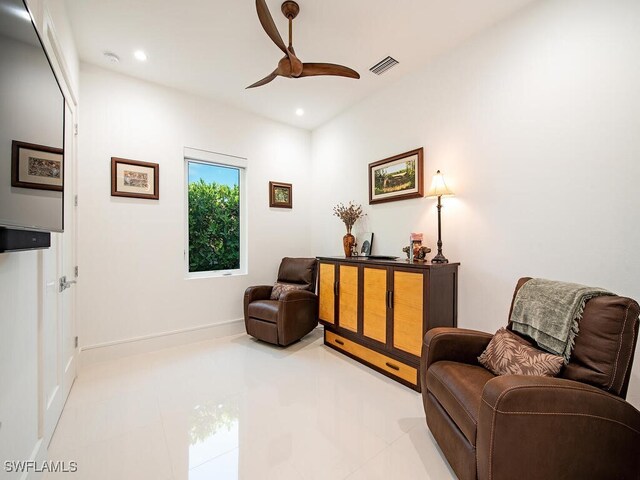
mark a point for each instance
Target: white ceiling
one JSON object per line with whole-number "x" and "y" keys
{"x": 216, "y": 48}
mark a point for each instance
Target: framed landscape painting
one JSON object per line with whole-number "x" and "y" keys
{"x": 397, "y": 178}
{"x": 131, "y": 178}
{"x": 280, "y": 195}
{"x": 36, "y": 166}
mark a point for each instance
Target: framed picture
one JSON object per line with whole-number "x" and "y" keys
{"x": 397, "y": 178}
{"x": 280, "y": 195}
{"x": 37, "y": 166}
{"x": 365, "y": 241}
{"x": 131, "y": 178}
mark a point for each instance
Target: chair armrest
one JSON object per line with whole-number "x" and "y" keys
{"x": 257, "y": 292}
{"x": 555, "y": 428}
{"x": 298, "y": 295}
{"x": 298, "y": 315}
{"x": 454, "y": 344}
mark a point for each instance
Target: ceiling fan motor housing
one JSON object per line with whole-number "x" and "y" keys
{"x": 290, "y": 9}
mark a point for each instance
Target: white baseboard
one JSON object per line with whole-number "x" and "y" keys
{"x": 102, "y": 352}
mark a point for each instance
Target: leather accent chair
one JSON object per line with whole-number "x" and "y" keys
{"x": 287, "y": 320}
{"x": 574, "y": 426}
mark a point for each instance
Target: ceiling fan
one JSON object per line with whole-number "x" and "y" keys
{"x": 290, "y": 65}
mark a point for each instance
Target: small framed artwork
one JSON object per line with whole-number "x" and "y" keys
{"x": 131, "y": 178}
{"x": 36, "y": 166}
{"x": 365, "y": 241}
{"x": 397, "y": 178}
{"x": 280, "y": 195}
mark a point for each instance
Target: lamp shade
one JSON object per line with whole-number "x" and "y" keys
{"x": 438, "y": 186}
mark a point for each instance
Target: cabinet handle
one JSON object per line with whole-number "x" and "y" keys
{"x": 339, "y": 342}
{"x": 389, "y": 299}
{"x": 336, "y": 288}
{"x": 392, "y": 366}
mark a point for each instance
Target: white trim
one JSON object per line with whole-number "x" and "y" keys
{"x": 156, "y": 341}
{"x": 214, "y": 157}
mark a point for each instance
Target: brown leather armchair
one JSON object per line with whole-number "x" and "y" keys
{"x": 295, "y": 314}
{"x": 574, "y": 426}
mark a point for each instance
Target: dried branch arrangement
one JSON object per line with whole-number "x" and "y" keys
{"x": 349, "y": 214}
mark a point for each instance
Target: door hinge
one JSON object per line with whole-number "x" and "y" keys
{"x": 75, "y": 342}
{"x": 75, "y": 271}
{"x": 75, "y": 200}
{"x": 75, "y": 129}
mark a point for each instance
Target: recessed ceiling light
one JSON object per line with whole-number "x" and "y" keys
{"x": 299, "y": 112}
{"x": 112, "y": 57}
{"x": 140, "y": 55}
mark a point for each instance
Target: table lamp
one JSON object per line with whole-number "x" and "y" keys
{"x": 438, "y": 189}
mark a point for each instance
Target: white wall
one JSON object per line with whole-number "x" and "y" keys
{"x": 534, "y": 124}
{"x": 132, "y": 275}
{"x": 22, "y": 292}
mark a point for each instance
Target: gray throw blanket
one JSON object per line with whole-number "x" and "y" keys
{"x": 549, "y": 312}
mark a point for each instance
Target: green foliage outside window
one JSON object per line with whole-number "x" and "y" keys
{"x": 214, "y": 227}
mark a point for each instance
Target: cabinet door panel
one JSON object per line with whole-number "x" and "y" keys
{"x": 348, "y": 298}
{"x": 408, "y": 299}
{"x": 327, "y": 292}
{"x": 375, "y": 304}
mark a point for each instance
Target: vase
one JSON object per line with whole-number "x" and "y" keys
{"x": 348, "y": 241}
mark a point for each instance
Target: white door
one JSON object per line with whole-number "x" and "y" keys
{"x": 68, "y": 262}
{"x": 57, "y": 362}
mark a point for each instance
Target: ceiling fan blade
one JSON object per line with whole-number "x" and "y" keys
{"x": 265, "y": 80}
{"x": 269, "y": 25}
{"x": 316, "y": 69}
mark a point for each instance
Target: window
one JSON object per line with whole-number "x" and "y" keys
{"x": 215, "y": 219}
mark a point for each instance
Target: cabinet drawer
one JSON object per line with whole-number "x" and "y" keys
{"x": 389, "y": 365}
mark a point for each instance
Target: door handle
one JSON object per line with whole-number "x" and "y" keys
{"x": 392, "y": 366}
{"x": 64, "y": 284}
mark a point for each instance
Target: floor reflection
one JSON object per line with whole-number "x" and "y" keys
{"x": 214, "y": 441}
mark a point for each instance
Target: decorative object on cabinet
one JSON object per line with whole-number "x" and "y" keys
{"x": 438, "y": 189}
{"x": 131, "y": 178}
{"x": 419, "y": 253}
{"x": 349, "y": 214}
{"x": 36, "y": 166}
{"x": 377, "y": 312}
{"x": 478, "y": 419}
{"x": 294, "y": 313}
{"x": 397, "y": 178}
{"x": 366, "y": 242}
{"x": 280, "y": 195}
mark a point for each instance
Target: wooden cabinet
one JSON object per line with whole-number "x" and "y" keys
{"x": 377, "y": 312}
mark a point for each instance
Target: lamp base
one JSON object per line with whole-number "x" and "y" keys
{"x": 439, "y": 258}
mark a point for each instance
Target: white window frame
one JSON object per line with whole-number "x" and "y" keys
{"x": 222, "y": 160}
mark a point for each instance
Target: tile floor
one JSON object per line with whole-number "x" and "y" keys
{"x": 237, "y": 408}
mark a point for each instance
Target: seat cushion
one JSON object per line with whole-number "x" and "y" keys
{"x": 458, "y": 389}
{"x": 266, "y": 310}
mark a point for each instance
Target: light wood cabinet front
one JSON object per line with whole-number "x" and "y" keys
{"x": 375, "y": 304}
{"x": 348, "y": 298}
{"x": 408, "y": 311}
{"x": 327, "y": 292}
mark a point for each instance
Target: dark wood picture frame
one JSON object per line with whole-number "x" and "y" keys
{"x": 16, "y": 146}
{"x": 115, "y": 161}
{"x": 417, "y": 191}
{"x": 273, "y": 201}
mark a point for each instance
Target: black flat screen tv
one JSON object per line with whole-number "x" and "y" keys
{"x": 31, "y": 127}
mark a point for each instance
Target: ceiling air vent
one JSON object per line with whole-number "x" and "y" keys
{"x": 384, "y": 65}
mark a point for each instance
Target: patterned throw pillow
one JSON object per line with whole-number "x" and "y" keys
{"x": 508, "y": 354}
{"x": 279, "y": 289}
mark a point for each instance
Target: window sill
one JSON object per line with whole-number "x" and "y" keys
{"x": 201, "y": 275}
